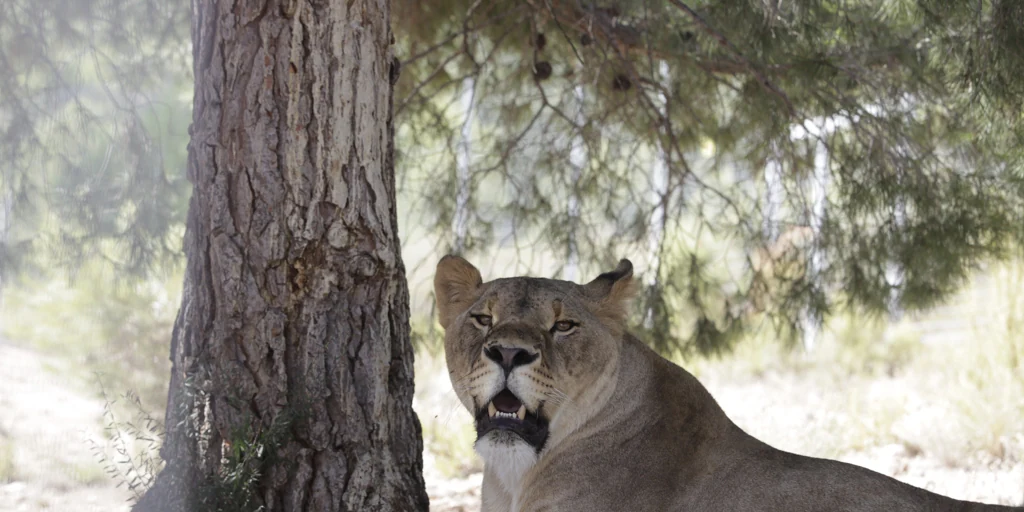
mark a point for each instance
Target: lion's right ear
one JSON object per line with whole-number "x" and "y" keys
{"x": 455, "y": 284}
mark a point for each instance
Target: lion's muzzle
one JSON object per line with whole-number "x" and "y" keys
{"x": 506, "y": 415}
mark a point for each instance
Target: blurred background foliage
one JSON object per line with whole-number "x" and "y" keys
{"x": 766, "y": 165}
{"x": 94, "y": 105}
{"x": 789, "y": 159}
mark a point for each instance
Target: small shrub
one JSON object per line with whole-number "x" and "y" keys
{"x": 131, "y": 454}
{"x": 235, "y": 487}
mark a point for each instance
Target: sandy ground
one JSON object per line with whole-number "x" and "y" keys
{"x": 46, "y": 423}
{"x": 47, "y": 419}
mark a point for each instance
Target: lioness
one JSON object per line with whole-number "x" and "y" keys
{"x": 574, "y": 414}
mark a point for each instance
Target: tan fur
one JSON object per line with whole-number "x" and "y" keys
{"x": 455, "y": 283}
{"x": 628, "y": 429}
{"x": 612, "y": 293}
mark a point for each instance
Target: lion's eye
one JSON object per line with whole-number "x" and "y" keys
{"x": 482, "y": 320}
{"x": 563, "y": 326}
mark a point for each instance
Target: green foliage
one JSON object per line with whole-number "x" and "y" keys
{"x": 688, "y": 303}
{"x": 954, "y": 397}
{"x": 235, "y": 488}
{"x": 890, "y": 129}
{"x": 92, "y": 132}
{"x": 131, "y": 455}
{"x": 967, "y": 406}
{"x": 921, "y": 167}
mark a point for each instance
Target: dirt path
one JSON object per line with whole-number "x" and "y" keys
{"x": 46, "y": 422}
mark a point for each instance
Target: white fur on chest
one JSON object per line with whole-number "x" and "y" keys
{"x": 508, "y": 458}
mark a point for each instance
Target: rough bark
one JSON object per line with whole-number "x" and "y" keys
{"x": 295, "y": 306}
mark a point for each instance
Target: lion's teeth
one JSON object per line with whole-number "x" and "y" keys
{"x": 493, "y": 412}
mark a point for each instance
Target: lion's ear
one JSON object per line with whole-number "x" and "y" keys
{"x": 455, "y": 284}
{"x": 613, "y": 291}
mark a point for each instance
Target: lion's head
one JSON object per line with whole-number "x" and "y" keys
{"x": 532, "y": 359}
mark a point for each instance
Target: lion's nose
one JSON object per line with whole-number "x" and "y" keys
{"x": 509, "y": 357}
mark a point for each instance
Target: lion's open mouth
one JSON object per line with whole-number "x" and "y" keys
{"x": 505, "y": 412}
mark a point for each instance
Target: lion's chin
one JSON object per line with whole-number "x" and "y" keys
{"x": 506, "y": 456}
{"x": 506, "y": 420}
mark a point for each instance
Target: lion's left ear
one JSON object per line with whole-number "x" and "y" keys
{"x": 613, "y": 291}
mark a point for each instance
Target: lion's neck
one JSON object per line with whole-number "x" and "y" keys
{"x": 603, "y": 397}
{"x": 646, "y": 390}
{"x": 617, "y": 403}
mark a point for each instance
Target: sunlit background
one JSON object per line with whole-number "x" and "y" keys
{"x": 849, "y": 285}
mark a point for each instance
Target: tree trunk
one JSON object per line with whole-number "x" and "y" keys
{"x": 292, "y": 376}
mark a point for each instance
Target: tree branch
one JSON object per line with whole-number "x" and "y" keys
{"x": 746, "y": 63}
